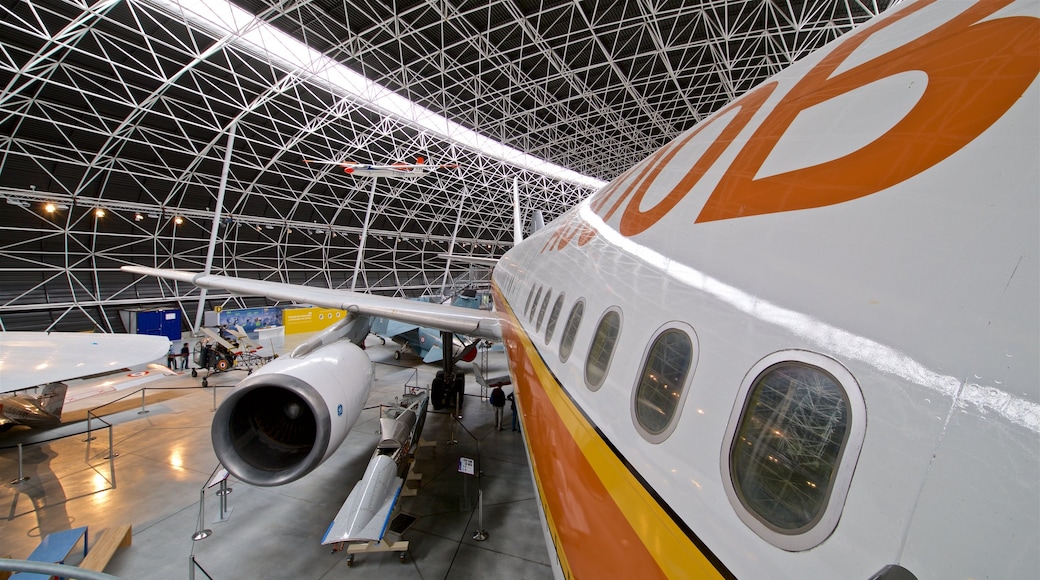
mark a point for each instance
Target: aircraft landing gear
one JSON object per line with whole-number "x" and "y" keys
{"x": 397, "y": 355}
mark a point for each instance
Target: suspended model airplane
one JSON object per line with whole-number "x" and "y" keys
{"x": 70, "y": 366}
{"x": 801, "y": 340}
{"x": 395, "y": 170}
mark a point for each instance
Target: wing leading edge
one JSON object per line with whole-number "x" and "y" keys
{"x": 28, "y": 359}
{"x": 466, "y": 321}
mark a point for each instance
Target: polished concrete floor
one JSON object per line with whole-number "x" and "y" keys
{"x": 164, "y": 459}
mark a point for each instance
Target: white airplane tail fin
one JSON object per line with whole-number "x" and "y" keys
{"x": 52, "y": 398}
{"x": 537, "y": 221}
{"x": 518, "y": 227}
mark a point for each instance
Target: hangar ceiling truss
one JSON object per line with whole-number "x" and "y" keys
{"x": 130, "y": 106}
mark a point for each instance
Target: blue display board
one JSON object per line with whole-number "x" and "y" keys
{"x": 250, "y": 319}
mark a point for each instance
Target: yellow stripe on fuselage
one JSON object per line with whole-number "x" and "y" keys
{"x": 604, "y": 522}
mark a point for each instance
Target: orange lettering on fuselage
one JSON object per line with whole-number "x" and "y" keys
{"x": 976, "y": 72}
{"x": 634, "y": 220}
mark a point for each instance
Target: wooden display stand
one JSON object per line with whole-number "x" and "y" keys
{"x": 375, "y": 547}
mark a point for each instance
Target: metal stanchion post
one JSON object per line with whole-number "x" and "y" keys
{"x": 481, "y": 534}
{"x": 90, "y": 430}
{"x": 454, "y": 419}
{"x": 222, "y": 493}
{"x": 143, "y": 410}
{"x": 453, "y": 440}
{"x": 202, "y": 533}
{"x": 21, "y": 476}
{"x": 111, "y": 458}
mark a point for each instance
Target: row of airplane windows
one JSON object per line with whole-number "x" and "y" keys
{"x": 792, "y": 446}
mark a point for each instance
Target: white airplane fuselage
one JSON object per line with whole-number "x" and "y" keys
{"x": 871, "y": 213}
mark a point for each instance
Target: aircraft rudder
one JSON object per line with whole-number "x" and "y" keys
{"x": 52, "y": 398}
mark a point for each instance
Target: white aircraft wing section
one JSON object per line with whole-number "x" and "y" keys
{"x": 466, "y": 321}
{"x": 477, "y": 260}
{"x": 128, "y": 379}
{"x": 28, "y": 359}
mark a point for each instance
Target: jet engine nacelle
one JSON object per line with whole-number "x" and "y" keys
{"x": 289, "y": 416}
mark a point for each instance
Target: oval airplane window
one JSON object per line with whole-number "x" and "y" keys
{"x": 666, "y": 371}
{"x": 554, "y": 315}
{"x": 570, "y": 330}
{"x": 534, "y": 305}
{"x": 541, "y": 311}
{"x": 792, "y": 447}
{"x": 527, "y": 305}
{"x": 602, "y": 349}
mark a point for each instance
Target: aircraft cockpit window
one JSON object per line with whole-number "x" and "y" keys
{"x": 662, "y": 383}
{"x": 792, "y": 447}
{"x": 602, "y": 349}
{"x": 541, "y": 311}
{"x": 554, "y": 315}
{"x": 570, "y": 331}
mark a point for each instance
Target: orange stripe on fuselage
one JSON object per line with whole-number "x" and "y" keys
{"x": 604, "y": 522}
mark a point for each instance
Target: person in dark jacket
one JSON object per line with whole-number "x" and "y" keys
{"x": 498, "y": 400}
{"x": 184, "y": 356}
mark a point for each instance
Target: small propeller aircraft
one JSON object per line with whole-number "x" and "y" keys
{"x": 395, "y": 170}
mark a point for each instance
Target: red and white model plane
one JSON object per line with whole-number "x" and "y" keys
{"x": 394, "y": 170}
{"x": 799, "y": 341}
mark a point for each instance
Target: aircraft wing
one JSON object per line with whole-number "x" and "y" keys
{"x": 28, "y": 359}
{"x": 125, "y": 380}
{"x": 477, "y": 260}
{"x": 466, "y": 321}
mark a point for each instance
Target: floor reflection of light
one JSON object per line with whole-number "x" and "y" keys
{"x": 100, "y": 484}
{"x": 176, "y": 459}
